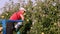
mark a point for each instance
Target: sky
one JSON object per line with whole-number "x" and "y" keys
{"x": 2, "y": 3}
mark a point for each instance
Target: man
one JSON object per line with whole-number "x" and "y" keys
{"x": 16, "y": 16}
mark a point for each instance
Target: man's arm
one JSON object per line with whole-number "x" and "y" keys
{"x": 22, "y": 17}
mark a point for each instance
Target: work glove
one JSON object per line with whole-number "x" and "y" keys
{"x": 18, "y": 25}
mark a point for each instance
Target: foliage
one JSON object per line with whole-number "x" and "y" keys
{"x": 42, "y": 18}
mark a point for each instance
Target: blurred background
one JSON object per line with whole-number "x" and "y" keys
{"x": 41, "y": 17}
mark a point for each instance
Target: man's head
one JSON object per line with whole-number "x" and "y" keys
{"x": 22, "y": 9}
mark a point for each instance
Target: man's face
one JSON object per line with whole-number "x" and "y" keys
{"x": 23, "y": 12}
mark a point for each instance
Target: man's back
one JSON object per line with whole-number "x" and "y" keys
{"x": 16, "y": 16}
